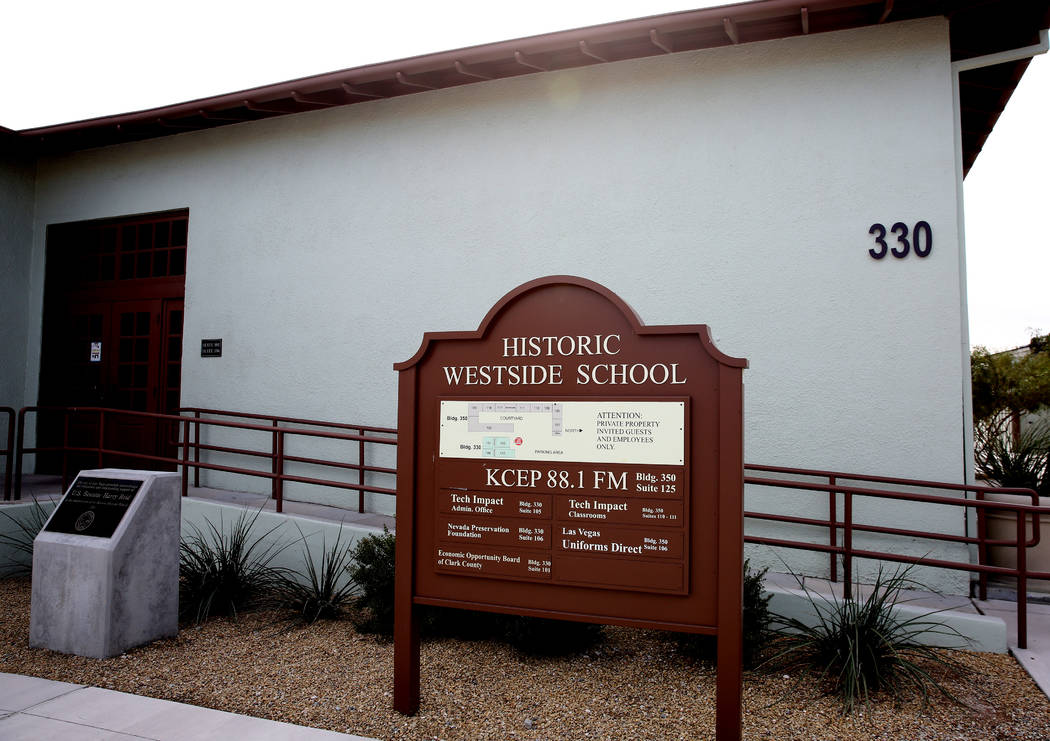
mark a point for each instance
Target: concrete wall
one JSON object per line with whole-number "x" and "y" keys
{"x": 292, "y": 537}
{"x": 730, "y": 186}
{"x": 950, "y": 624}
{"x": 17, "y": 176}
{"x": 287, "y": 537}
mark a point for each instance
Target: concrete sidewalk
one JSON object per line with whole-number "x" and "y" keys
{"x": 1036, "y": 657}
{"x": 34, "y": 709}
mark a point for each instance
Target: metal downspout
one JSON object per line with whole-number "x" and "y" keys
{"x": 963, "y": 65}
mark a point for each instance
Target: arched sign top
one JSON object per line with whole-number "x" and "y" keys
{"x": 634, "y": 322}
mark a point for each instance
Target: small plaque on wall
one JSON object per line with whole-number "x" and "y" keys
{"x": 211, "y": 348}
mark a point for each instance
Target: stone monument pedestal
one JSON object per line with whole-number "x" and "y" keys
{"x": 106, "y": 564}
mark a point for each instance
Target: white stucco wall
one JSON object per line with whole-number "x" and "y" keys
{"x": 731, "y": 186}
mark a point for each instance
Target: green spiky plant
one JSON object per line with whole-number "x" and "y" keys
{"x": 321, "y": 590}
{"x": 858, "y": 648}
{"x": 19, "y": 538}
{"x": 1007, "y": 461}
{"x": 225, "y": 572}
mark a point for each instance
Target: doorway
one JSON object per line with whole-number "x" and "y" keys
{"x": 112, "y": 338}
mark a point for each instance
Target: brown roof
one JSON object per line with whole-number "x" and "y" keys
{"x": 978, "y": 27}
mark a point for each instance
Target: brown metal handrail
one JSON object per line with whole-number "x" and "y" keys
{"x": 833, "y": 484}
{"x": 847, "y": 526}
{"x": 8, "y": 451}
{"x": 275, "y": 421}
{"x": 287, "y": 420}
{"x": 188, "y": 443}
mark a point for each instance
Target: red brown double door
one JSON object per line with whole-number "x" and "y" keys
{"x": 113, "y": 337}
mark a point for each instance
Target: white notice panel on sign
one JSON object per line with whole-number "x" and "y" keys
{"x": 644, "y": 432}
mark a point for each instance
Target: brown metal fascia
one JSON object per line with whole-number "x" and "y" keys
{"x": 12, "y": 144}
{"x": 300, "y": 98}
{"x": 222, "y": 119}
{"x": 618, "y": 31}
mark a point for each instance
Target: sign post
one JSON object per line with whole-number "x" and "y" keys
{"x": 567, "y": 461}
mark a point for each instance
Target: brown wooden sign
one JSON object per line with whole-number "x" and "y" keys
{"x": 567, "y": 461}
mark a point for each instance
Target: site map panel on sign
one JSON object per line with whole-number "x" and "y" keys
{"x": 634, "y": 432}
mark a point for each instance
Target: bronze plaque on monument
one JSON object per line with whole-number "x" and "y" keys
{"x": 93, "y": 506}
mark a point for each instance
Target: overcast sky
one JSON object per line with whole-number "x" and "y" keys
{"x": 63, "y": 61}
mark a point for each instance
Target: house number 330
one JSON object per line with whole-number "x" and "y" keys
{"x": 921, "y": 240}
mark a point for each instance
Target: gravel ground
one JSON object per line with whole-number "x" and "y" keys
{"x": 635, "y": 685}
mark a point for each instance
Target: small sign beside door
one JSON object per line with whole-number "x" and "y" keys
{"x": 211, "y": 348}
{"x": 96, "y": 352}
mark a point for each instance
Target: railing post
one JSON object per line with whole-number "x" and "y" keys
{"x": 279, "y": 469}
{"x": 361, "y": 473}
{"x": 982, "y": 548}
{"x": 833, "y": 528}
{"x": 19, "y": 447}
{"x": 273, "y": 462}
{"x": 186, "y": 458}
{"x": 101, "y": 434}
{"x": 1022, "y": 582}
{"x": 847, "y": 545}
{"x": 197, "y": 449}
{"x": 10, "y": 454}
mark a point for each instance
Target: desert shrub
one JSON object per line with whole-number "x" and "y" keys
{"x": 857, "y": 648}
{"x": 17, "y": 542}
{"x": 756, "y": 614}
{"x": 529, "y": 635}
{"x": 372, "y": 572}
{"x": 546, "y": 637}
{"x": 224, "y": 572}
{"x": 755, "y": 630}
{"x": 466, "y": 625}
{"x": 320, "y": 590}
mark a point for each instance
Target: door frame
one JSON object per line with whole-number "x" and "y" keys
{"x": 69, "y": 289}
